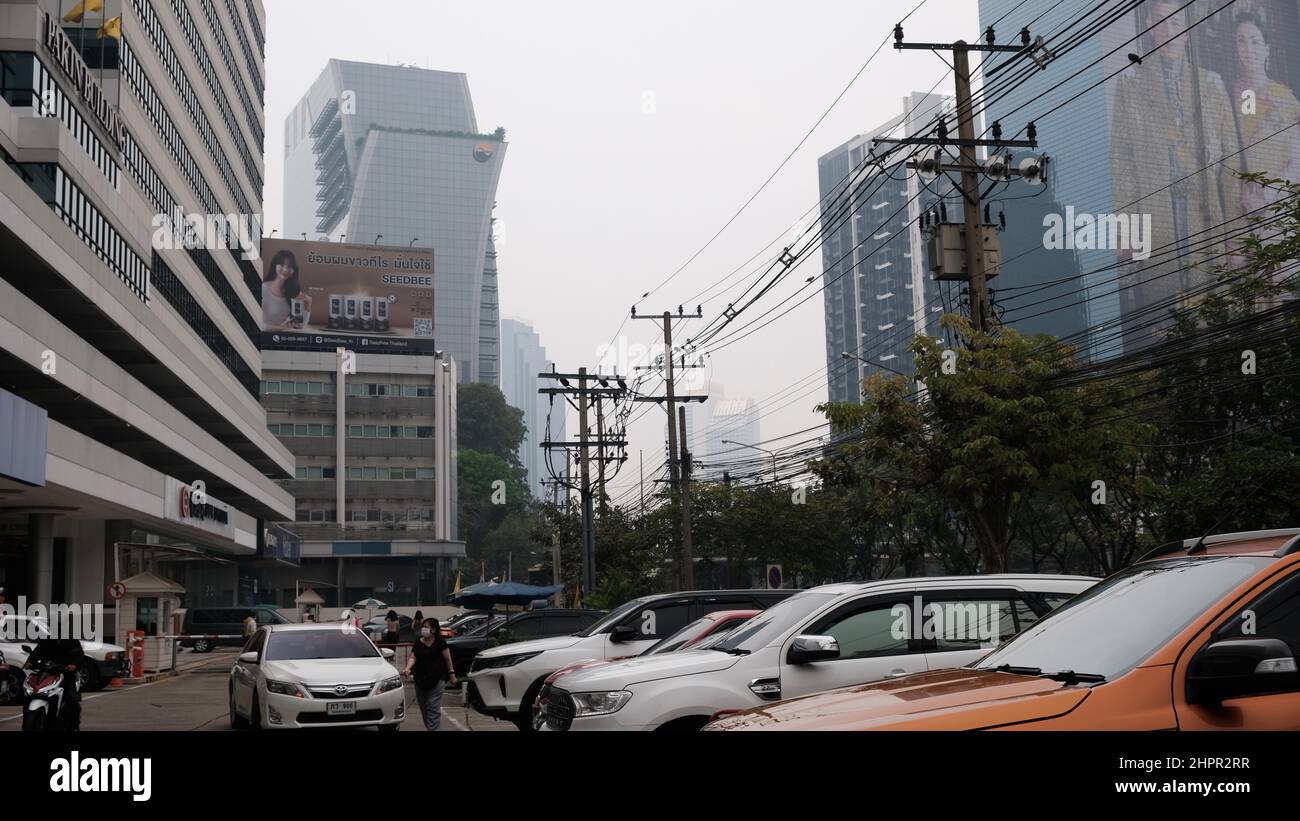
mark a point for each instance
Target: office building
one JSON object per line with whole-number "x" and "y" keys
{"x": 878, "y": 293}
{"x": 393, "y": 155}
{"x": 132, "y": 436}
{"x": 383, "y": 525}
{"x": 522, "y": 358}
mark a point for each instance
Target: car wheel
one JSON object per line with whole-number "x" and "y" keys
{"x": 202, "y": 646}
{"x": 524, "y": 718}
{"x": 237, "y": 722}
{"x": 88, "y": 679}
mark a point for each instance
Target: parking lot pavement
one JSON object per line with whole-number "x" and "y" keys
{"x": 196, "y": 700}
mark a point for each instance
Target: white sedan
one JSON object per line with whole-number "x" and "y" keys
{"x": 315, "y": 675}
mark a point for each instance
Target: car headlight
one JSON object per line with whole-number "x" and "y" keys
{"x": 599, "y": 704}
{"x": 497, "y": 662}
{"x": 394, "y": 683}
{"x": 115, "y": 656}
{"x": 284, "y": 688}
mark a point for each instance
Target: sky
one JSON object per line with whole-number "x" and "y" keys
{"x": 636, "y": 132}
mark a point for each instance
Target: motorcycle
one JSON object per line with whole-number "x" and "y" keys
{"x": 45, "y": 705}
{"x": 11, "y": 683}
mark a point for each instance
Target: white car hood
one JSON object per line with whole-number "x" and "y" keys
{"x": 620, "y": 674}
{"x": 534, "y": 646}
{"x": 329, "y": 671}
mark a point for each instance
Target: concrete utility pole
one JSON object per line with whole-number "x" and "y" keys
{"x": 688, "y": 555}
{"x": 586, "y": 489}
{"x": 678, "y": 468}
{"x": 978, "y": 258}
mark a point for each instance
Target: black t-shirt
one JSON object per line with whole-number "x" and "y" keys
{"x": 430, "y": 668}
{"x": 60, "y": 651}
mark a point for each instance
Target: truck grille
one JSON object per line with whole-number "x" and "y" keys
{"x": 558, "y": 708}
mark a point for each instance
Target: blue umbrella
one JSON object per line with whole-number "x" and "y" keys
{"x": 486, "y": 596}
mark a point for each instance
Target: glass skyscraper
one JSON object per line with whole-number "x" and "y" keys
{"x": 393, "y": 155}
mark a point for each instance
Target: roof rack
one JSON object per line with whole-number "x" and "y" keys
{"x": 1198, "y": 545}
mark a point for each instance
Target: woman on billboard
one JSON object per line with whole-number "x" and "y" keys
{"x": 284, "y": 304}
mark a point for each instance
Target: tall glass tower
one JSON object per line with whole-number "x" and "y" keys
{"x": 392, "y": 155}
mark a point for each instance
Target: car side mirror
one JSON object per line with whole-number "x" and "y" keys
{"x": 1236, "y": 667}
{"x": 388, "y": 653}
{"x": 807, "y": 649}
{"x": 623, "y": 632}
{"x": 248, "y": 658}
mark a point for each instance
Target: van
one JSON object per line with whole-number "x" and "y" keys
{"x": 212, "y": 627}
{"x": 1201, "y": 634}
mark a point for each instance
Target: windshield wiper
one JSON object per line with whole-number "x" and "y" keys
{"x": 1019, "y": 671}
{"x": 731, "y": 651}
{"x": 1071, "y": 677}
{"x": 1065, "y": 676}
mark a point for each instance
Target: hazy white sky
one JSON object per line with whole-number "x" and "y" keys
{"x": 636, "y": 131}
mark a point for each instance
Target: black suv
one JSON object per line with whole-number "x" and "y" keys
{"x": 535, "y": 624}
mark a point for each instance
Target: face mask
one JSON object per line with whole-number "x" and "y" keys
{"x": 426, "y": 632}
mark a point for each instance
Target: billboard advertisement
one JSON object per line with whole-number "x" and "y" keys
{"x": 1214, "y": 96}
{"x": 319, "y": 296}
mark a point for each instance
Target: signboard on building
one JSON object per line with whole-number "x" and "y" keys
{"x": 24, "y": 429}
{"x": 197, "y": 509}
{"x": 68, "y": 57}
{"x": 320, "y": 296}
{"x": 279, "y": 544}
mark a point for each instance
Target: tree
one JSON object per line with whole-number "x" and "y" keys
{"x": 486, "y": 423}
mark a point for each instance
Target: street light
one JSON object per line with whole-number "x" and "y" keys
{"x": 775, "y": 478}
{"x": 847, "y": 355}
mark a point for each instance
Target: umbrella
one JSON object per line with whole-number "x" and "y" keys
{"x": 369, "y": 604}
{"x": 486, "y": 596}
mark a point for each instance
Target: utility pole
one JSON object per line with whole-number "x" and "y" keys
{"x": 974, "y": 242}
{"x": 688, "y": 555}
{"x": 678, "y": 468}
{"x": 600, "y": 460}
{"x": 586, "y": 393}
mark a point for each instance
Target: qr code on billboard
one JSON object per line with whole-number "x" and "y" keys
{"x": 424, "y": 328}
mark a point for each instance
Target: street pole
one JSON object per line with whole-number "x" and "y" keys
{"x": 688, "y": 557}
{"x": 600, "y": 453}
{"x": 671, "y": 395}
{"x": 584, "y": 472}
{"x": 970, "y": 187}
{"x": 642, "y": 455}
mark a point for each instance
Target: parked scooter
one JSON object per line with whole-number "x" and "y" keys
{"x": 45, "y": 704}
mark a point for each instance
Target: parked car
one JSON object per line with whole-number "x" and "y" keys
{"x": 696, "y": 634}
{"x": 1198, "y": 635}
{"x": 504, "y": 681}
{"x": 378, "y": 626}
{"x": 535, "y": 624}
{"x": 104, "y": 662}
{"x": 314, "y": 675}
{"x": 463, "y": 623}
{"x": 829, "y": 636}
{"x": 699, "y": 634}
{"x": 205, "y": 622}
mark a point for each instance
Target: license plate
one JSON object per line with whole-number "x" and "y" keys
{"x": 341, "y": 708}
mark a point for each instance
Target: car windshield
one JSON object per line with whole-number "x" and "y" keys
{"x": 716, "y": 638}
{"x": 761, "y": 630}
{"x": 1115, "y": 626}
{"x": 615, "y": 616}
{"x": 331, "y": 643}
{"x": 483, "y": 626}
{"x": 676, "y": 640}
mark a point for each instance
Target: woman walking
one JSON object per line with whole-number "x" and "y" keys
{"x": 392, "y": 626}
{"x": 429, "y": 666}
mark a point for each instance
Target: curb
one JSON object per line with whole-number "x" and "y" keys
{"x": 148, "y": 679}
